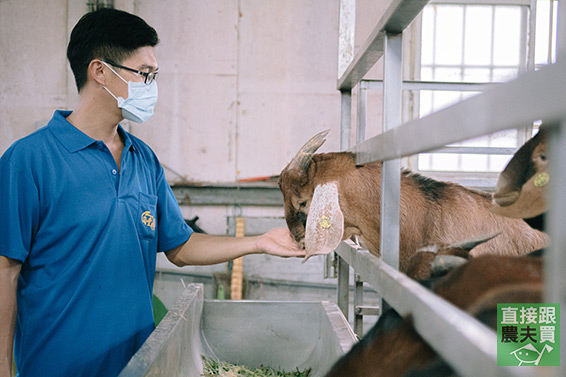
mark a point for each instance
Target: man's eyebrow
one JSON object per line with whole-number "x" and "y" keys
{"x": 152, "y": 68}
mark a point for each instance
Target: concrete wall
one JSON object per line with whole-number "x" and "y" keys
{"x": 243, "y": 84}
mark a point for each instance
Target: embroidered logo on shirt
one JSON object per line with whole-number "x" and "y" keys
{"x": 148, "y": 220}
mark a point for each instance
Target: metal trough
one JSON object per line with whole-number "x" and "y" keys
{"x": 279, "y": 334}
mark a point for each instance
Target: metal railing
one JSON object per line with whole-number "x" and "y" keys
{"x": 467, "y": 345}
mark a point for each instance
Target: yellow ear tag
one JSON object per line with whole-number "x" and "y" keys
{"x": 541, "y": 180}
{"x": 324, "y": 222}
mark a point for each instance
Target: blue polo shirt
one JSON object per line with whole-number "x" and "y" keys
{"x": 87, "y": 235}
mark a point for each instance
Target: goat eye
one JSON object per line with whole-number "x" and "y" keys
{"x": 543, "y": 157}
{"x": 302, "y": 204}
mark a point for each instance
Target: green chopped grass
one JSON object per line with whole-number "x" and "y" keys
{"x": 214, "y": 368}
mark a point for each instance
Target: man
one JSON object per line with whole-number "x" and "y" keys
{"x": 85, "y": 208}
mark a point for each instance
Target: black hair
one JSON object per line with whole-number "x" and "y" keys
{"x": 106, "y": 34}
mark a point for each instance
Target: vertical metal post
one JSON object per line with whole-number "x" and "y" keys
{"x": 346, "y": 39}
{"x": 361, "y": 111}
{"x": 561, "y": 32}
{"x": 346, "y": 34}
{"x": 358, "y": 302}
{"x": 343, "y": 299}
{"x": 555, "y": 259}
{"x": 390, "y": 175}
{"x": 345, "y": 119}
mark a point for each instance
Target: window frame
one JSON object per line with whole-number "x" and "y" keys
{"x": 482, "y": 179}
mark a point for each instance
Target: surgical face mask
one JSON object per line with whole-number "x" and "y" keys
{"x": 138, "y": 107}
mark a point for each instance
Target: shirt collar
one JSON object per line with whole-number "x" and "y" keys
{"x": 74, "y": 139}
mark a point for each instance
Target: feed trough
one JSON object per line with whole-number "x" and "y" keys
{"x": 281, "y": 334}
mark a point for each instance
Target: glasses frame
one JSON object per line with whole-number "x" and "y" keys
{"x": 149, "y": 77}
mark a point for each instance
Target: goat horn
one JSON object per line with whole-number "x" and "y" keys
{"x": 471, "y": 243}
{"x": 444, "y": 263}
{"x": 303, "y": 157}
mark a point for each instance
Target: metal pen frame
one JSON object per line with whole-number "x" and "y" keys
{"x": 467, "y": 345}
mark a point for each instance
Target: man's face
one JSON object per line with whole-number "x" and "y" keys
{"x": 142, "y": 60}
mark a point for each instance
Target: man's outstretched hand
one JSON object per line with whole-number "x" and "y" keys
{"x": 279, "y": 242}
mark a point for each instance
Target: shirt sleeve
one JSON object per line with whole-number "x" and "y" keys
{"x": 172, "y": 228}
{"x": 19, "y": 209}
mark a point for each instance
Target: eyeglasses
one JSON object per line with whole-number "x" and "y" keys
{"x": 148, "y": 76}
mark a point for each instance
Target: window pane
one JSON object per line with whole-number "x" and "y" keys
{"x": 542, "y": 34}
{"x": 477, "y": 74}
{"x": 504, "y": 139}
{"x": 427, "y": 74}
{"x": 471, "y": 43}
{"x": 504, "y": 74}
{"x": 449, "y": 21}
{"x": 478, "y": 35}
{"x": 426, "y": 102}
{"x": 545, "y": 36}
{"x": 498, "y": 162}
{"x": 448, "y": 74}
{"x": 474, "y": 162}
{"x": 427, "y": 41}
{"x": 434, "y": 101}
{"x": 507, "y": 35}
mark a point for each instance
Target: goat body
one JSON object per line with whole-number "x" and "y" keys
{"x": 394, "y": 348}
{"x": 431, "y": 212}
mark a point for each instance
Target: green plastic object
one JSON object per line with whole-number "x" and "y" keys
{"x": 220, "y": 294}
{"x": 159, "y": 310}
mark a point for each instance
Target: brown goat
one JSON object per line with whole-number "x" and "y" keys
{"x": 476, "y": 287}
{"x": 432, "y": 212}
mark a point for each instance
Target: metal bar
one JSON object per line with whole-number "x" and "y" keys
{"x": 345, "y": 132}
{"x": 346, "y": 34}
{"x": 330, "y": 266}
{"x": 358, "y": 302}
{"x": 446, "y": 86}
{"x": 555, "y": 261}
{"x": 367, "y": 310}
{"x": 390, "y": 178}
{"x": 560, "y": 32}
{"x": 532, "y": 23}
{"x": 362, "y": 112}
{"x": 346, "y": 40}
{"x": 434, "y": 85}
{"x": 482, "y": 2}
{"x": 550, "y": 32}
{"x": 343, "y": 291}
{"x": 532, "y": 96}
{"x": 475, "y": 150}
{"x": 252, "y": 194}
{"x": 345, "y": 119}
{"x": 449, "y": 330}
{"x": 395, "y": 19}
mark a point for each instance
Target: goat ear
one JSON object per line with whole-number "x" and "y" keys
{"x": 325, "y": 222}
{"x": 515, "y": 174}
{"x": 521, "y": 188}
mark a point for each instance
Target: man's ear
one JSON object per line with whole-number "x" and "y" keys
{"x": 325, "y": 222}
{"x": 96, "y": 72}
